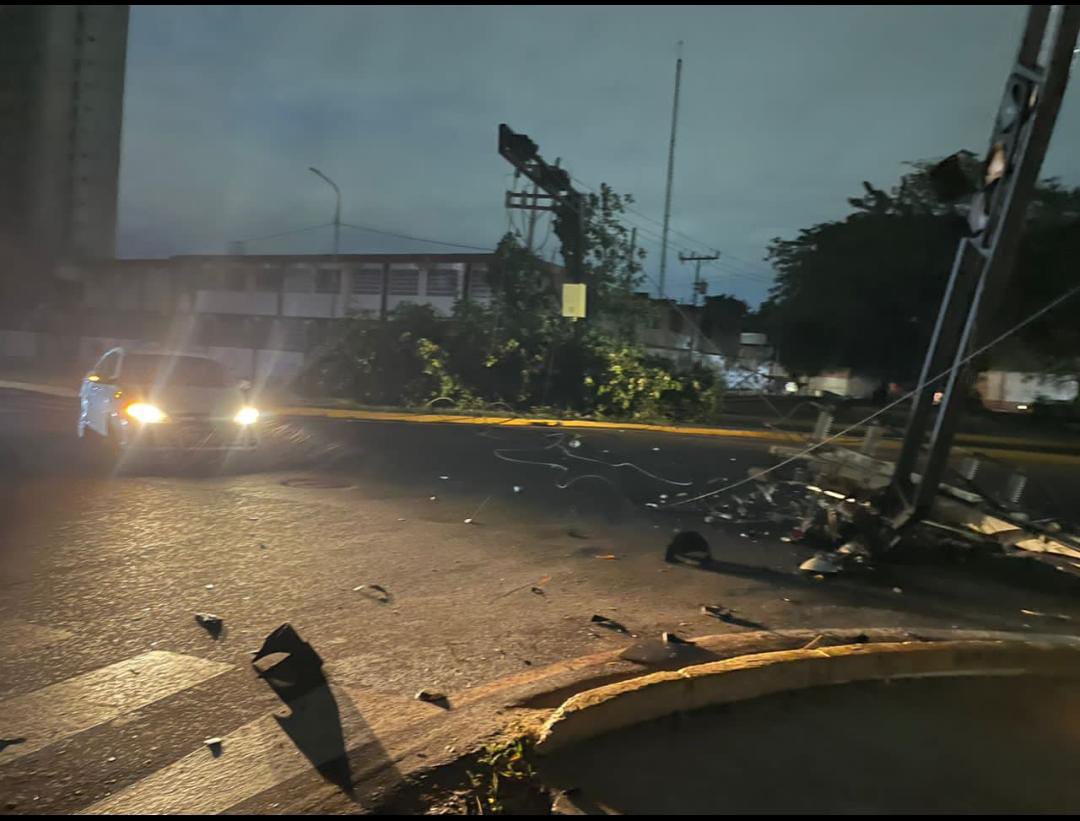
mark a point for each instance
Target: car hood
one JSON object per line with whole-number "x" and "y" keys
{"x": 179, "y": 400}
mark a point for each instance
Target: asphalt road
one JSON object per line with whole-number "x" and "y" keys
{"x": 495, "y": 546}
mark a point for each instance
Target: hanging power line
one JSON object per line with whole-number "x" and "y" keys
{"x": 284, "y": 233}
{"x": 721, "y": 264}
{"x": 415, "y": 238}
{"x": 1071, "y": 292}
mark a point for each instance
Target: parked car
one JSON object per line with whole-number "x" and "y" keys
{"x": 165, "y": 402}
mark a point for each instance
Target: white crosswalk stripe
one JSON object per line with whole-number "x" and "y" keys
{"x": 255, "y": 757}
{"x": 62, "y": 710}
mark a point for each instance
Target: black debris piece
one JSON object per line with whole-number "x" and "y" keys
{"x": 610, "y": 624}
{"x": 213, "y": 624}
{"x": 286, "y": 640}
{"x": 214, "y": 745}
{"x": 688, "y": 543}
{"x": 575, "y": 533}
{"x": 728, "y": 617}
{"x": 674, "y": 638}
{"x": 11, "y": 742}
{"x": 539, "y": 591}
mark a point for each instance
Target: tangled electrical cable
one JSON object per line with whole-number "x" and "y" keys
{"x": 933, "y": 380}
{"x": 559, "y": 446}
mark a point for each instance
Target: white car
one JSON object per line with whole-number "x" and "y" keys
{"x": 165, "y": 402}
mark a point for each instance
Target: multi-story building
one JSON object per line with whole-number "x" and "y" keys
{"x": 263, "y": 316}
{"x": 61, "y": 111}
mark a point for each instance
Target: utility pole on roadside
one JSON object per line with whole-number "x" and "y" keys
{"x": 532, "y": 220}
{"x": 670, "y": 176}
{"x": 699, "y": 288}
{"x": 337, "y": 235}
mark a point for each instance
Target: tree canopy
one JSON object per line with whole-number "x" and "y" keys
{"x": 863, "y": 292}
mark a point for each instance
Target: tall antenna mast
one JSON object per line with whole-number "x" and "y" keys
{"x": 670, "y": 173}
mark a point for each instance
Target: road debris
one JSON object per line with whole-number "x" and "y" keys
{"x": 539, "y": 591}
{"x": 1055, "y": 616}
{"x": 209, "y": 587}
{"x": 11, "y": 742}
{"x": 214, "y": 744}
{"x": 610, "y": 624}
{"x": 285, "y": 639}
{"x": 607, "y": 556}
{"x": 728, "y": 616}
{"x": 674, "y": 638}
{"x": 574, "y": 443}
{"x": 434, "y": 697}
{"x": 575, "y": 533}
{"x": 821, "y": 563}
{"x": 688, "y": 543}
{"x": 814, "y": 643}
{"x": 472, "y": 519}
{"x": 374, "y": 591}
{"x": 518, "y": 488}
{"x": 444, "y": 478}
{"x": 213, "y": 624}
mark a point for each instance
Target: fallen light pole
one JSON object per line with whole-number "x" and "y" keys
{"x": 984, "y": 259}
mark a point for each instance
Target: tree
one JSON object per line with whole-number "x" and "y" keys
{"x": 863, "y": 292}
{"x": 519, "y": 350}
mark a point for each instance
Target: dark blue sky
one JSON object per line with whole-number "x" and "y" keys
{"x": 784, "y": 111}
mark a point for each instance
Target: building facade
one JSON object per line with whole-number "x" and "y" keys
{"x": 265, "y": 317}
{"x": 61, "y": 112}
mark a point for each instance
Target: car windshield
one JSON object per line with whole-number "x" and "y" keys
{"x": 190, "y": 371}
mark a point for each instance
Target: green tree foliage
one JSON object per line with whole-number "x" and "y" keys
{"x": 518, "y": 351}
{"x": 863, "y": 292}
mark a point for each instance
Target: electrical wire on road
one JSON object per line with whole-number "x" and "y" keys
{"x": 810, "y": 449}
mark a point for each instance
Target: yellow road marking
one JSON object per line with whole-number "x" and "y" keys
{"x": 1013, "y": 444}
{"x": 70, "y": 707}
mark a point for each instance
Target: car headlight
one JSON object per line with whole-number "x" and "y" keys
{"x": 246, "y": 416}
{"x": 145, "y": 412}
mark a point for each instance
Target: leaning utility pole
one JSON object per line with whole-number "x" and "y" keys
{"x": 567, "y": 204}
{"x": 984, "y": 259}
{"x": 670, "y": 175}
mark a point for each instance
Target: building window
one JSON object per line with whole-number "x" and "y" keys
{"x": 269, "y": 280}
{"x": 235, "y": 279}
{"x": 479, "y": 287}
{"x": 404, "y": 280}
{"x": 368, "y": 280}
{"x": 443, "y": 280}
{"x": 327, "y": 281}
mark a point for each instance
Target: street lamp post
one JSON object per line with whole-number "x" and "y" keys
{"x": 337, "y": 228}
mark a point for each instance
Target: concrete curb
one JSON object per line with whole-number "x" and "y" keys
{"x": 1000, "y": 446}
{"x": 623, "y": 704}
{"x": 519, "y": 705}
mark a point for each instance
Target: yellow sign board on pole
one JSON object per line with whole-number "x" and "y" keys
{"x": 573, "y": 300}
